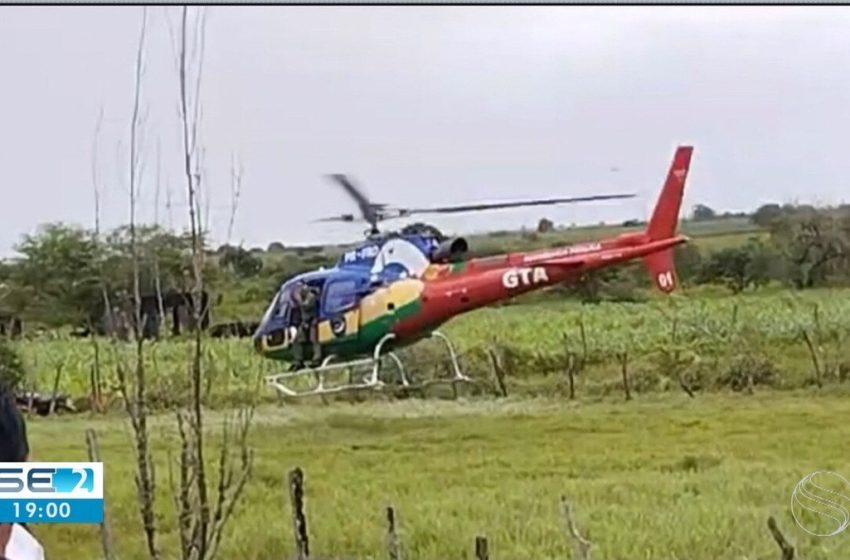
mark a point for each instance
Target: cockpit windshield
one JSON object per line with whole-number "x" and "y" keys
{"x": 284, "y": 302}
{"x": 283, "y": 312}
{"x": 278, "y": 309}
{"x": 269, "y": 311}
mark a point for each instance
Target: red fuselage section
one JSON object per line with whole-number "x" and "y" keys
{"x": 481, "y": 282}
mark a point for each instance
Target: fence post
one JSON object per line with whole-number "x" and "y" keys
{"x": 481, "y": 551}
{"x": 785, "y": 547}
{"x": 299, "y": 519}
{"x": 623, "y": 357}
{"x": 498, "y": 371}
{"x": 393, "y": 551}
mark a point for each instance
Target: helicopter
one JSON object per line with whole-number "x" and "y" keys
{"x": 397, "y": 288}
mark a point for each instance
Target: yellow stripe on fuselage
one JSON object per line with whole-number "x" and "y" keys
{"x": 374, "y": 306}
{"x": 352, "y": 324}
{"x": 399, "y": 293}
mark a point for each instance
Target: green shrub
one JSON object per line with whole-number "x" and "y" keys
{"x": 12, "y": 370}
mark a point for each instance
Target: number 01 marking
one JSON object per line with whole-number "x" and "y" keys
{"x": 665, "y": 279}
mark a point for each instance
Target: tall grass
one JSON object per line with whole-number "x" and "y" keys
{"x": 720, "y": 340}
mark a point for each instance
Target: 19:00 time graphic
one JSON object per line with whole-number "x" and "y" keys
{"x": 51, "y": 511}
{"x": 37, "y": 511}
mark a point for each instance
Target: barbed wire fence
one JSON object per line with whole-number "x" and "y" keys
{"x": 480, "y": 545}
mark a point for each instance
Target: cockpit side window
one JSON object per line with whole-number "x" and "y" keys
{"x": 340, "y": 295}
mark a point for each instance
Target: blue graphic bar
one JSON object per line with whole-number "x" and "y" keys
{"x": 51, "y": 510}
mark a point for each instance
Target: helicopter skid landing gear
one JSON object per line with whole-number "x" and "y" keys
{"x": 282, "y": 382}
{"x": 457, "y": 375}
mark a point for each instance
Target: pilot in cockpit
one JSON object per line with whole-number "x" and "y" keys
{"x": 306, "y": 300}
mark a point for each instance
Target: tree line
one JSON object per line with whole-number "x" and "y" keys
{"x": 64, "y": 275}
{"x": 803, "y": 247}
{"x": 61, "y": 272}
{"x": 797, "y": 247}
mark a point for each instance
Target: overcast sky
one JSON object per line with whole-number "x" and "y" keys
{"x": 425, "y": 105}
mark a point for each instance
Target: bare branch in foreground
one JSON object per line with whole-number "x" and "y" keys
{"x": 203, "y": 512}
{"x": 582, "y": 545}
{"x": 136, "y": 406}
{"x": 105, "y": 527}
{"x": 236, "y": 171}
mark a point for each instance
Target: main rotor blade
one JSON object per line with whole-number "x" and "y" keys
{"x": 367, "y": 209}
{"x": 510, "y": 204}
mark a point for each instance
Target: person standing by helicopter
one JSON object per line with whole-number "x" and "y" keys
{"x": 16, "y": 540}
{"x": 307, "y": 305}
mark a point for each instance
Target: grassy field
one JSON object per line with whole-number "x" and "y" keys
{"x": 657, "y": 478}
{"x": 663, "y": 476}
{"x": 714, "y": 339}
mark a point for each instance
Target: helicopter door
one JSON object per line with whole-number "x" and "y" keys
{"x": 340, "y": 305}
